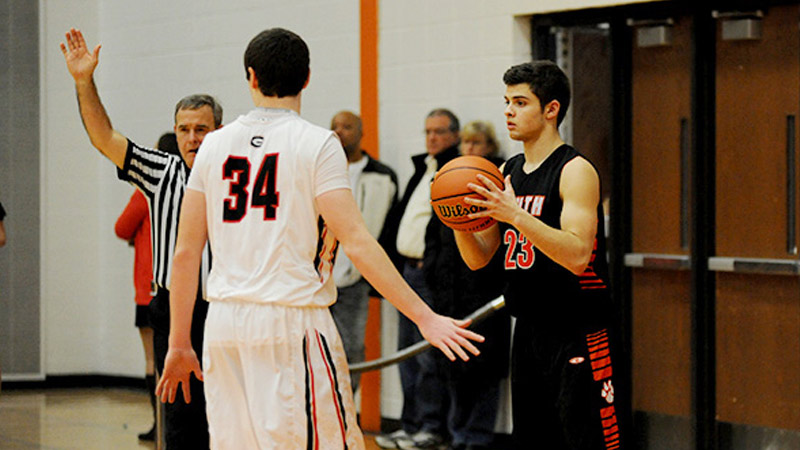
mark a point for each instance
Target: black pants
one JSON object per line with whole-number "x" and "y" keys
{"x": 186, "y": 424}
{"x": 564, "y": 389}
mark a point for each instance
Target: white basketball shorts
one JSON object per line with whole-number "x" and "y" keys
{"x": 276, "y": 377}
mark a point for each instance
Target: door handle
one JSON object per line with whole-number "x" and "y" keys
{"x": 657, "y": 261}
{"x": 685, "y": 180}
{"x": 754, "y": 265}
{"x": 791, "y": 187}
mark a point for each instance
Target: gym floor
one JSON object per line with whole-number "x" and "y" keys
{"x": 78, "y": 418}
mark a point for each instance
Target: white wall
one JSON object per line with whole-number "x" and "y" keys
{"x": 452, "y": 54}
{"x": 153, "y": 53}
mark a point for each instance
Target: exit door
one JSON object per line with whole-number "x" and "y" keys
{"x": 758, "y": 287}
{"x": 755, "y": 259}
{"x": 660, "y": 192}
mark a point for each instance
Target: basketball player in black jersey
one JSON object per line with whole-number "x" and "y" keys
{"x": 550, "y": 229}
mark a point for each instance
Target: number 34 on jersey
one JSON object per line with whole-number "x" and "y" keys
{"x": 242, "y": 196}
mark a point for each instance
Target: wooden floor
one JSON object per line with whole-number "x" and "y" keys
{"x": 86, "y": 419}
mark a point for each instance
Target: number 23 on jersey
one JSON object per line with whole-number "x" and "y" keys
{"x": 241, "y": 197}
{"x": 519, "y": 250}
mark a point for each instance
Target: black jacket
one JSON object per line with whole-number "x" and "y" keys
{"x": 457, "y": 291}
{"x": 389, "y": 237}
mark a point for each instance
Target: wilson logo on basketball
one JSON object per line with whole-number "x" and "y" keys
{"x": 450, "y": 187}
{"x": 456, "y": 211}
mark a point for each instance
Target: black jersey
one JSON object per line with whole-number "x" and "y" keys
{"x": 539, "y": 289}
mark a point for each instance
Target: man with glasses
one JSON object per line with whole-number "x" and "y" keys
{"x": 423, "y": 418}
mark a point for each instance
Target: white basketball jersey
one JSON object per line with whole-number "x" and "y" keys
{"x": 260, "y": 176}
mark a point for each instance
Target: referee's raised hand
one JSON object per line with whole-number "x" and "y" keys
{"x": 80, "y": 62}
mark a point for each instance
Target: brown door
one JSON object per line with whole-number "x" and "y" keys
{"x": 758, "y": 293}
{"x": 661, "y": 280}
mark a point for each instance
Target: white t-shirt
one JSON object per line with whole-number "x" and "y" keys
{"x": 261, "y": 175}
{"x": 411, "y": 232}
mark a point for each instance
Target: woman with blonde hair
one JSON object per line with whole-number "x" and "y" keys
{"x": 478, "y": 138}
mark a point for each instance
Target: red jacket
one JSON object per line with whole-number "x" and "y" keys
{"x": 134, "y": 223}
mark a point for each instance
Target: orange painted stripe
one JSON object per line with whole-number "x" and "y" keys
{"x": 370, "y": 381}
{"x": 369, "y": 76}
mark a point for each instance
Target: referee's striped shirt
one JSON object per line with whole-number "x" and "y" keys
{"x": 162, "y": 179}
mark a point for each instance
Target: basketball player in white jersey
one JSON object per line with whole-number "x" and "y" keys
{"x": 271, "y": 193}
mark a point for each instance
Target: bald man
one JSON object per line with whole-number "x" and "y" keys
{"x": 375, "y": 189}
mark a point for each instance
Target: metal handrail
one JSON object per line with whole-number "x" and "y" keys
{"x": 478, "y": 315}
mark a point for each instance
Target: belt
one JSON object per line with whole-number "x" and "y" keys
{"x": 414, "y": 262}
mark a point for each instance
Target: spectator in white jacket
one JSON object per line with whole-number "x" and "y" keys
{"x": 375, "y": 189}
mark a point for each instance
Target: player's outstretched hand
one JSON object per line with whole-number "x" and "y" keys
{"x": 179, "y": 364}
{"x": 501, "y": 204}
{"x": 450, "y": 336}
{"x": 80, "y": 62}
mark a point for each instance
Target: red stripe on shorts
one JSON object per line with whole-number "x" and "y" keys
{"x": 313, "y": 395}
{"x": 334, "y": 389}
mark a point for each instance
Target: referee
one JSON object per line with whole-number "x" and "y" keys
{"x": 162, "y": 178}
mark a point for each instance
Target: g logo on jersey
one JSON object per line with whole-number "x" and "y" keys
{"x": 257, "y": 141}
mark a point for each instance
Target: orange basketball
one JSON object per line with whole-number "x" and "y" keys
{"x": 449, "y": 188}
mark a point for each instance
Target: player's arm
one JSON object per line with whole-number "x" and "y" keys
{"x": 81, "y": 64}
{"x": 181, "y": 359}
{"x": 478, "y": 248}
{"x": 571, "y": 246}
{"x": 2, "y": 234}
{"x": 341, "y": 214}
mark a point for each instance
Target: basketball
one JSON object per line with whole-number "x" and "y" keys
{"x": 449, "y": 188}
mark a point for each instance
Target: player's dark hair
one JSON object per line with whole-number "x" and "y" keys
{"x": 197, "y": 101}
{"x": 280, "y": 61}
{"x": 168, "y": 142}
{"x": 546, "y": 80}
{"x": 454, "y": 125}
